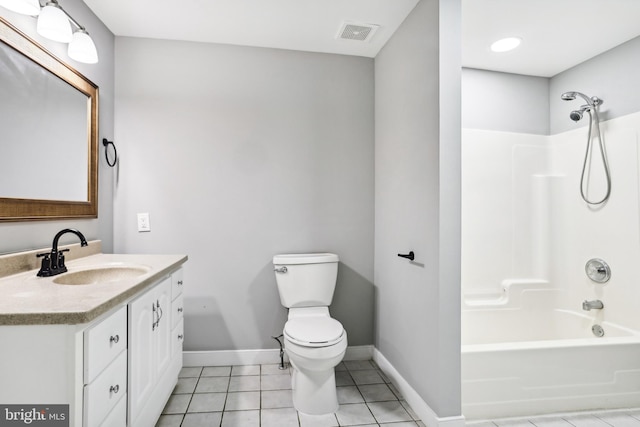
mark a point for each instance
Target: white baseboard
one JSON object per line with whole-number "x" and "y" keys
{"x": 421, "y": 408}
{"x": 258, "y": 357}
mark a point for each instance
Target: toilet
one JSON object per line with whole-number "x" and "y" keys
{"x": 314, "y": 342}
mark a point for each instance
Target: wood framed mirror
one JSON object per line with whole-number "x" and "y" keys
{"x": 49, "y": 138}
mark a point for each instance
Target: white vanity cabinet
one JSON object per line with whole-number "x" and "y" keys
{"x": 116, "y": 370}
{"x": 153, "y": 362}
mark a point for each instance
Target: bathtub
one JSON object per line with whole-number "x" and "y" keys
{"x": 523, "y": 362}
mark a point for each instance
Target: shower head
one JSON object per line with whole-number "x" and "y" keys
{"x": 575, "y": 115}
{"x": 568, "y": 96}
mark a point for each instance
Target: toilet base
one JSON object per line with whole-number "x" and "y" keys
{"x": 314, "y": 392}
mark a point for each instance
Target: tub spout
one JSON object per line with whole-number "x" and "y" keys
{"x": 590, "y": 305}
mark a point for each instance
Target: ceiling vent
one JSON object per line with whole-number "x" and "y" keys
{"x": 357, "y": 31}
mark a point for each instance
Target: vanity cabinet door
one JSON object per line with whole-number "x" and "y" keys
{"x": 149, "y": 344}
{"x": 141, "y": 350}
{"x": 163, "y": 328}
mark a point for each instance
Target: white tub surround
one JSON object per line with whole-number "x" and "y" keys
{"x": 99, "y": 348}
{"x": 527, "y": 343}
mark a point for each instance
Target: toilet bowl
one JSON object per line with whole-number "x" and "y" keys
{"x": 314, "y": 342}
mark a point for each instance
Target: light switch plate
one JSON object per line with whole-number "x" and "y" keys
{"x": 143, "y": 222}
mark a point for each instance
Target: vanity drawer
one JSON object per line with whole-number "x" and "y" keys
{"x": 103, "y": 342}
{"x": 102, "y": 395}
{"x": 177, "y": 310}
{"x": 177, "y": 283}
{"x": 118, "y": 416}
{"x": 177, "y": 338}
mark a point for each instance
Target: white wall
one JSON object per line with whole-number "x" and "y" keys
{"x": 19, "y": 236}
{"x": 417, "y": 170}
{"x": 239, "y": 154}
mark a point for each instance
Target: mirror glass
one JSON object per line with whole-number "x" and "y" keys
{"x": 48, "y": 113}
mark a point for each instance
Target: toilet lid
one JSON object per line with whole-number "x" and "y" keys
{"x": 314, "y": 330}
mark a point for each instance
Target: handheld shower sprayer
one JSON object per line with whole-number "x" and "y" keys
{"x": 591, "y": 107}
{"x": 591, "y": 102}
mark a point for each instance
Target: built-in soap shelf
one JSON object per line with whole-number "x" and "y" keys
{"x": 511, "y": 294}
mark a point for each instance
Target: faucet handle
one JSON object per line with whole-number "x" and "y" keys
{"x": 45, "y": 267}
{"x": 60, "y": 261}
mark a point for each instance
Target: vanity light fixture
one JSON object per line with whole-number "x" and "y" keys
{"x": 24, "y": 7}
{"x": 506, "y": 44}
{"x": 56, "y": 24}
{"x": 82, "y": 48}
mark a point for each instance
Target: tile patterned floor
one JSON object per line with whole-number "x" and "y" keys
{"x": 260, "y": 396}
{"x": 602, "y": 419}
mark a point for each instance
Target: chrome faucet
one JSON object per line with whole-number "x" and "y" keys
{"x": 53, "y": 262}
{"x": 590, "y": 305}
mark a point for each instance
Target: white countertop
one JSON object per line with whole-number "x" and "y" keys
{"x": 26, "y": 299}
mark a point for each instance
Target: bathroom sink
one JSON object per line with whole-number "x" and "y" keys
{"x": 100, "y": 275}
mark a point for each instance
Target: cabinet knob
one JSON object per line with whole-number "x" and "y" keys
{"x": 114, "y": 339}
{"x": 180, "y": 337}
{"x": 114, "y": 388}
{"x": 179, "y": 309}
{"x": 179, "y": 282}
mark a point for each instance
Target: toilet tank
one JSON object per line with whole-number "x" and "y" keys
{"x": 306, "y": 280}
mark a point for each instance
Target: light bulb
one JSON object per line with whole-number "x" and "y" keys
{"x": 82, "y": 48}
{"x": 506, "y": 44}
{"x": 54, "y": 24}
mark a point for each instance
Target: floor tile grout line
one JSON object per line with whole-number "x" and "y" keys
{"x": 261, "y": 391}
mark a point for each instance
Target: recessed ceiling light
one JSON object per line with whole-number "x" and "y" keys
{"x": 506, "y": 44}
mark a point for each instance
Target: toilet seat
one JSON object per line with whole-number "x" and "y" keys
{"x": 314, "y": 331}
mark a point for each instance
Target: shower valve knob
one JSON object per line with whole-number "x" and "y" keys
{"x": 598, "y": 270}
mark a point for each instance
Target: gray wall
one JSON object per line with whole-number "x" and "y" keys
{"x": 239, "y": 154}
{"x": 19, "y": 236}
{"x": 417, "y": 202}
{"x": 612, "y": 76}
{"x": 505, "y": 102}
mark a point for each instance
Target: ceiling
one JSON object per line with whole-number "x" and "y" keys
{"x": 307, "y": 25}
{"x": 557, "y": 34}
